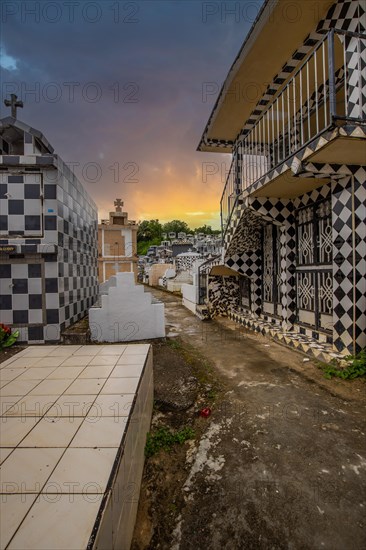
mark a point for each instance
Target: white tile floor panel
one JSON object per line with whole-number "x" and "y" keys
{"x": 72, "y": 435}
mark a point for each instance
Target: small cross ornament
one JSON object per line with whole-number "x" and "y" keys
{"x": 14, "y": 103}
{"x": 118, "y": 204}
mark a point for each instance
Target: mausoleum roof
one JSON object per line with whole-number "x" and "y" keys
{"x": 189, "y": 253}
{"x": 10, "y": 129}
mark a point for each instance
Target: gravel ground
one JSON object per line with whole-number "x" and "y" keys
{"x": 280, "y": 462}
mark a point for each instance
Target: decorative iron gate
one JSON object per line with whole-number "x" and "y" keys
{"x": 271, "y": 295}
{"x": 202, "y": 286}
{"x": 244, "y": 291}
{"x": 314, "y": 282}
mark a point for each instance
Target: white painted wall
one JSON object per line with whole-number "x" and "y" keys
{"x": 189, "y": 293}
{"x": 126, "y": 313}
{"x": 127, "y": 234}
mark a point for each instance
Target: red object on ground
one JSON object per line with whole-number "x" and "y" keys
{"x": 205, "y": 412}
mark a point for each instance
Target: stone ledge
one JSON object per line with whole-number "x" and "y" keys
{"x": 319, "y": 350}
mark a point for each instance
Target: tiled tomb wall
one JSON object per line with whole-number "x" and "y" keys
{"x": 186, "y": 262}
{"x": 347, "y": 195}
{"x": 347, "y": 290}
{"x": 83, "y": 439}
{"x": 117, "y": 521}
{"x": 49, "y": 280}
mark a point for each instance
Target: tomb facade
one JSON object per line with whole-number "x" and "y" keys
{"x": 48, "y": 237}
{"x": 117, "y": 244}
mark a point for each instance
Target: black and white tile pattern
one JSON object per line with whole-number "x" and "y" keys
{"x": 223, "y": 295}
{"x": 341, "y": 277}
{"x": 349, "y": 256}
{"x": 48, "y": 279}
{"x": 185, "y": 262}
{"x": 347, "y": 190}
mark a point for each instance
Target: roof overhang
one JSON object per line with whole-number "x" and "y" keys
{"x": 280, "y": 28}
{"x": 223, "y": 271}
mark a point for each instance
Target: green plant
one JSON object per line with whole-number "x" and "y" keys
{"x": 211, "y": 394}
{"x": 175, "y": 344}
{"x": 165, "y": 439}
{"x": 7, "y": 338}
{"x": 355, "y": 369}
{"x": 143, "y": 246}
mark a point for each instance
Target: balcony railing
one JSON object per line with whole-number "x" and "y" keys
{"x": 230, "y": 194}
{"x": 327, "y": 87}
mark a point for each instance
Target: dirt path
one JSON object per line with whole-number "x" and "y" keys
{"x": 280, "y": 463}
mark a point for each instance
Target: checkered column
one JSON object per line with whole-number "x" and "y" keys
{"x": 288, "y": 267}
{"x": 254, "y": 262}
{"x": 238, "y": 170}
{"x": 283, "y": 275}
{"x": 355, "y": 50}
{"x": 249, "y": 264}
{"x": 349, "y": 255}
{"x": 359, "y": 208}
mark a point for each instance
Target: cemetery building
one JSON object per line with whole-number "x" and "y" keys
{"x": 48, "y": 236}
{"x": 293, "y": 207}
{"x": 117, "y": 244}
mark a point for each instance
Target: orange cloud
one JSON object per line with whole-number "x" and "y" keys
{"x": 167, "y": 193}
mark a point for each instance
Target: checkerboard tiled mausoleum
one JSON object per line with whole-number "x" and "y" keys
{"x": 293, "y": 208}
{"x": 48, "y": 237}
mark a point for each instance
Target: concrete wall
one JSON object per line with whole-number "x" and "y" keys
{"x": 117, "y": 246}
{"x": 156, "y": 272}
{"x": 189, "y": 296}
{"x": 119, "y": 514}
{"x": 49, "y": 278}
{"x": 126, "y": 313}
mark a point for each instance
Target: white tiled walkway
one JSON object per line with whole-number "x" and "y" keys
{"x": 72, "y": 435}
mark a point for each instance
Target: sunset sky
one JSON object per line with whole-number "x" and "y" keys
{"x": 119, "y": 90}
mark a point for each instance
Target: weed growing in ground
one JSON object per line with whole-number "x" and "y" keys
{"x": 211, "y": 394}
{"x": 202, "y": 369}
{"x": 165, "y": 439}
{"x": 355, "y": 369}
{"x": 175, "y": 344}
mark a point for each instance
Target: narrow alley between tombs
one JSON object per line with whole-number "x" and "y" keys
{"x": 279, "y": 463}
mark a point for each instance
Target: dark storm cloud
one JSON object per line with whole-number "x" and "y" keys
{"x": 126, "y": 88}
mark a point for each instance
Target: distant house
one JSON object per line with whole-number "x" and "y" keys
{"x": 117, "y": 244}
{"x": 293, "y": 207}
{"x": 48, "y": 237}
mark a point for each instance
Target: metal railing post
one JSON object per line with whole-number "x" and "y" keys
{"x": 260, "y": 146}
{"x": 222, "y": 223}
{"x": 332, "y": 91}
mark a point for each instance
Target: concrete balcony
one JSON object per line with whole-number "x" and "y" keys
{"x": 318, "y": 117}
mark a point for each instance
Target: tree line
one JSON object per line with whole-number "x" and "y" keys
{"x": 149, "y": 230}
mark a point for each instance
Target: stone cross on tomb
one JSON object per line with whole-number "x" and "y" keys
{"x": 14, "y": 103}
{"x": 118, "y": 204}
